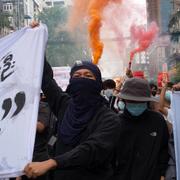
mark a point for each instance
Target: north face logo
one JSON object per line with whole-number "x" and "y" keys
{"x": 154, "y": 134}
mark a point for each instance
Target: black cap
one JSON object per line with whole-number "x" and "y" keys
{"x": 87, "y": 65}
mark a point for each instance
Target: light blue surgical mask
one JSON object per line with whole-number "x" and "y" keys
{"x": 136, "y": 109}
{"x": 121, "y": 105}
{"x": 168, "y": 96}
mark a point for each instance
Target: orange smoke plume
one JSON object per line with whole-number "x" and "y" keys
{"x": 93, "y": 10}
{"x": 78, "y": 13}
{"x": 95, "y": 13}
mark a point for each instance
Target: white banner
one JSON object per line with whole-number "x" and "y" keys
{"x": 21, "y": 66}
{"x": 175, "y": 106}
{"x": 62, "y": 76}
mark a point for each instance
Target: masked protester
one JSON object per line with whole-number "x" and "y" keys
{"x": 86, "y": 127}
{"x": 109, "y": 86}
{"x": 143, "y": 144}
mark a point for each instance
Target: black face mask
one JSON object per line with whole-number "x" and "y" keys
{"x": 85, "y": 101}
{"x": 84, "y": 89}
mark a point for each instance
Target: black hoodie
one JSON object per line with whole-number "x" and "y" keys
{"x": 142, "y": 153}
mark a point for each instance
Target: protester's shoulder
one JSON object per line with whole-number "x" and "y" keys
{"x": 156, "y": 116}
{"x": 107, "y": 111}
{"x": 106, "y": 114}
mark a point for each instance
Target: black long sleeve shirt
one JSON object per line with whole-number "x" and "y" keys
{"x": 143, "y": 147}
{"x": 91, "y": 158}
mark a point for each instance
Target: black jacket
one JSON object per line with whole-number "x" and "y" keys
{"x": 143, "y": 147}
{"x": 91, "y": 158}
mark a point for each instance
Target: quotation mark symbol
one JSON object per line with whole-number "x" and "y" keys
{"x": 7, "y": 104}
{"x": 19, "y": 100}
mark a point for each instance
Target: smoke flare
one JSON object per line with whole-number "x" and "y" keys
{"x": 143, "y": 37}
{"x": 93, "y": 10}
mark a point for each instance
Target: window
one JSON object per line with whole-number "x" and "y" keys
{"x": 4, "y": 8}
{"x": 8, "y": 7}
{"x": 49, "y": 3}
{"x": 58, "y": 3}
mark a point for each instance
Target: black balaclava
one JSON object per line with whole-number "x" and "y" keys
{"x": 84, "y": 103}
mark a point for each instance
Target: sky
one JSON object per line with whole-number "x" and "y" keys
{"x": 140, "y": 1}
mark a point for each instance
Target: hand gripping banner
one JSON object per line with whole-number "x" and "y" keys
{"x": 21, "y": 67}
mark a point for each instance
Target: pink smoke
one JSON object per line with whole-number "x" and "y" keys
{"x": 113, "y": 25}
{"x": 119, "y": 19}
{"x": 142, "y": 37}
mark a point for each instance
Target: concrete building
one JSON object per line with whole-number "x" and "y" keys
{"x": 4, "y": 21}
{"x": 1, "y": 6}
{"x": 53, "y": 3}
{"x": 166, "y": 9}
{"x": 21, "y": 12}
{"x": 176, "y": 5}
{"x": 160, "y": 11}
{"x": 153, "y": 15}
{"x": 166, "y": 49}
{"x": 13, "y": 8}
{"x": 153, "y": 11}
{"x": 174, "y": 29}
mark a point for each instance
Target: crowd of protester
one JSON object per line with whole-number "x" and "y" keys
{"x": 107, "y": 130}
{"x": 103, "y": 130}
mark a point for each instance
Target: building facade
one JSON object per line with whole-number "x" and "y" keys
{"x": 166, "y": 9}
{"x": 160, "y": 11}
{"x": 20, "y": 12}
{"x": 174, "y": 30}
{"x": 176, "y": 5}
{"x": 153, "y": 11}
{"x": 1, "y": 6}
{"x": 53, "y": 3}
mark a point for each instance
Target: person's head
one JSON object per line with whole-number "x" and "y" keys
{"x": 108, "y": 87}
{"x": 85, "y": 69}
{"x": 84, "y": 89}
{"x": 84, "y": 73}
{"x": 109, "y": 84}
{"x": 85, "y": 78}
{"x": 154, "y": 89}
{"x": 136, "y": 94}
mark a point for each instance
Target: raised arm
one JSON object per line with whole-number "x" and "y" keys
{"x": 55, "y": 96}
{"x": 162, "y": 108}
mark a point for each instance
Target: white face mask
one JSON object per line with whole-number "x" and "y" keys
{"x": 108, "y": 92}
